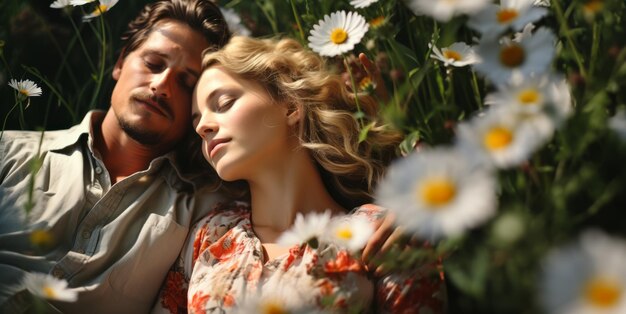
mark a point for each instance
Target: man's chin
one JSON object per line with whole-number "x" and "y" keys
{"x": 141, "y": 134}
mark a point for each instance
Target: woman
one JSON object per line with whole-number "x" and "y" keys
{"x": 270, "y": 114}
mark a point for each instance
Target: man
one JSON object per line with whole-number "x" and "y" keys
{"x": 111, "y": 207}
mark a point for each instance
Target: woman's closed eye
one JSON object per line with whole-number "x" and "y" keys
{"x": 224, "y": 103}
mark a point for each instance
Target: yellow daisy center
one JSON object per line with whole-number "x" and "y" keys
{"x": 498, "y": 138}
{"x": 602, "y": 293}
{"x": 366, "y": 83}
{"x": 273, "y": 308}
{"x": 344, "y": 233}
{"x": 512, "y": 55}
{"x": 451, "y": 54}
{"x": 24, "y": 92}
{"x": 338, "y": 36}
{"x": 102, "y": 8}
{"x": 507, "y": 15}
{"x": 377, "y": 22}
{"x": 438, "y": 192}
{"x": 593, "y": 6}
{"x": 529, "y": 97}
{"x": 41, "y": 238}
{"x": 49, "y": 293}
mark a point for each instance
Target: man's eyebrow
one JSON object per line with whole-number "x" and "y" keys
{"x": 189, "y": 70}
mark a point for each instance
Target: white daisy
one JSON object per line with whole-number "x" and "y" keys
{"x": 588, "y": 277}
{"x": 49, "y": 287}
{"x": 525, "y": 33}
{"x": 350, "y": 232}
{"x": 494, "y": 19}
{"x": 544, "y": 101}
{"x": 275, "y": 298}
{"x": 60, "y": 4}
{"x": 501, "y": 136}
{"x": 438, "y": 192}
{"x": 103, "y": 6}
{"x": 500, "y": 60}
{"x": 337, "y": 33}
{"x": 306, "y": 229}
{"x": 617, "y": 123}
{"x": 26, "y": 88}
{"x": 234, "y": 22}
{"x": 458, "y": 54}
{"x": 362, "y": 3}
{"x": 444, "y": 10}
{"x": 80, "y": 2}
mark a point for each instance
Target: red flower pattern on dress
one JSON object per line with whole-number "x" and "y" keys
{"x": 197, "y": 304}
{"x": 343, "y": 264}
{"x": 174, "y": 293}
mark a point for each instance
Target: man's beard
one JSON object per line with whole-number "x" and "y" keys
{"x": 139, "y": 134}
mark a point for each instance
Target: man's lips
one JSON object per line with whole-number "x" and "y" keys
{"x": 215, "y": 142}
{"x": 155, "y": 106}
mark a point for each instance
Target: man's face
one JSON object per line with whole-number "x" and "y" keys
{"x": 152, "y": 97}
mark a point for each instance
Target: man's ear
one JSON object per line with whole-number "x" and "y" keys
{"x": 294, "y": 115}
{"x": 117, "y": 69}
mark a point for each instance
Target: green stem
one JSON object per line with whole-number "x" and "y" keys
{"x": 4, "y": 123}
{"x": 269, "y": 18}
{"x": 100, "y": 75}
{"x": 53, "y": 90}
{"x": 82, "y": 45}
{"x": 595, "y": 45}
{"x": 566, "y": 32}
{"x": 295, "y": 15}
{"x": 355, "y": 90}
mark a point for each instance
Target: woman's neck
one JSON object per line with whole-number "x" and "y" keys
{"x": 282, "y": 190}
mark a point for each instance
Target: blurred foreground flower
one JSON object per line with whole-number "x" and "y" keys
{"x": 544, "y": 101}
{"x": 438, "y": 192}
{"x": 275, "y": 299}
{"x": 532, "y": 55}
{"x": 351, "y": 233}
{"x": 502, "y": 136}
{"x": 338, "y": 33}
{"x": 26, "y": 88}
{"x": 306, "y": 229}
{"x": 48, "y": 287}
{"x": 587, "y": 277}
{"x": 458, "y": 54}
{"x": 444, "y": 10}
{"x": 494, "y": 19}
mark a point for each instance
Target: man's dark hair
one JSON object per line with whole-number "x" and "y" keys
{"x": 203, "y": 16}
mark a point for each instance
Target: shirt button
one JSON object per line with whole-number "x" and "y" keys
{"x": 57, "y": 272}
{"x": 98, "y": 170}
{"x": 86, "y": 234}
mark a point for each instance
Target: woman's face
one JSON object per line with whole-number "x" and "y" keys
{"x": 243, "y": 130}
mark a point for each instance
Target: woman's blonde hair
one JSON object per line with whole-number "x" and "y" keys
{"x": 328, "y": 128}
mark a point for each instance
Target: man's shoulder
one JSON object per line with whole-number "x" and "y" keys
{"x": 31, "y": 141}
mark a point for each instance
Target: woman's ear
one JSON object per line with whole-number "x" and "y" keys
{"x": 293, "y": 115}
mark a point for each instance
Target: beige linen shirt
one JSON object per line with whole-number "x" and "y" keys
{"x": 113, "y": 243}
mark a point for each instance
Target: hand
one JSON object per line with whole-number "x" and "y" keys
{"x": 367, "y": 68}
{"x": 385, "y": 236}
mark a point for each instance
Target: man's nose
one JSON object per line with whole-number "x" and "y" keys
{"x": 161, "y": 83}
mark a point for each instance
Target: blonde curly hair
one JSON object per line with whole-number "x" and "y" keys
{"x": 328, "y": 128}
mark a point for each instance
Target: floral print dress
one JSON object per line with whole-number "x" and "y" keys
{"x": 224, "y": 264}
